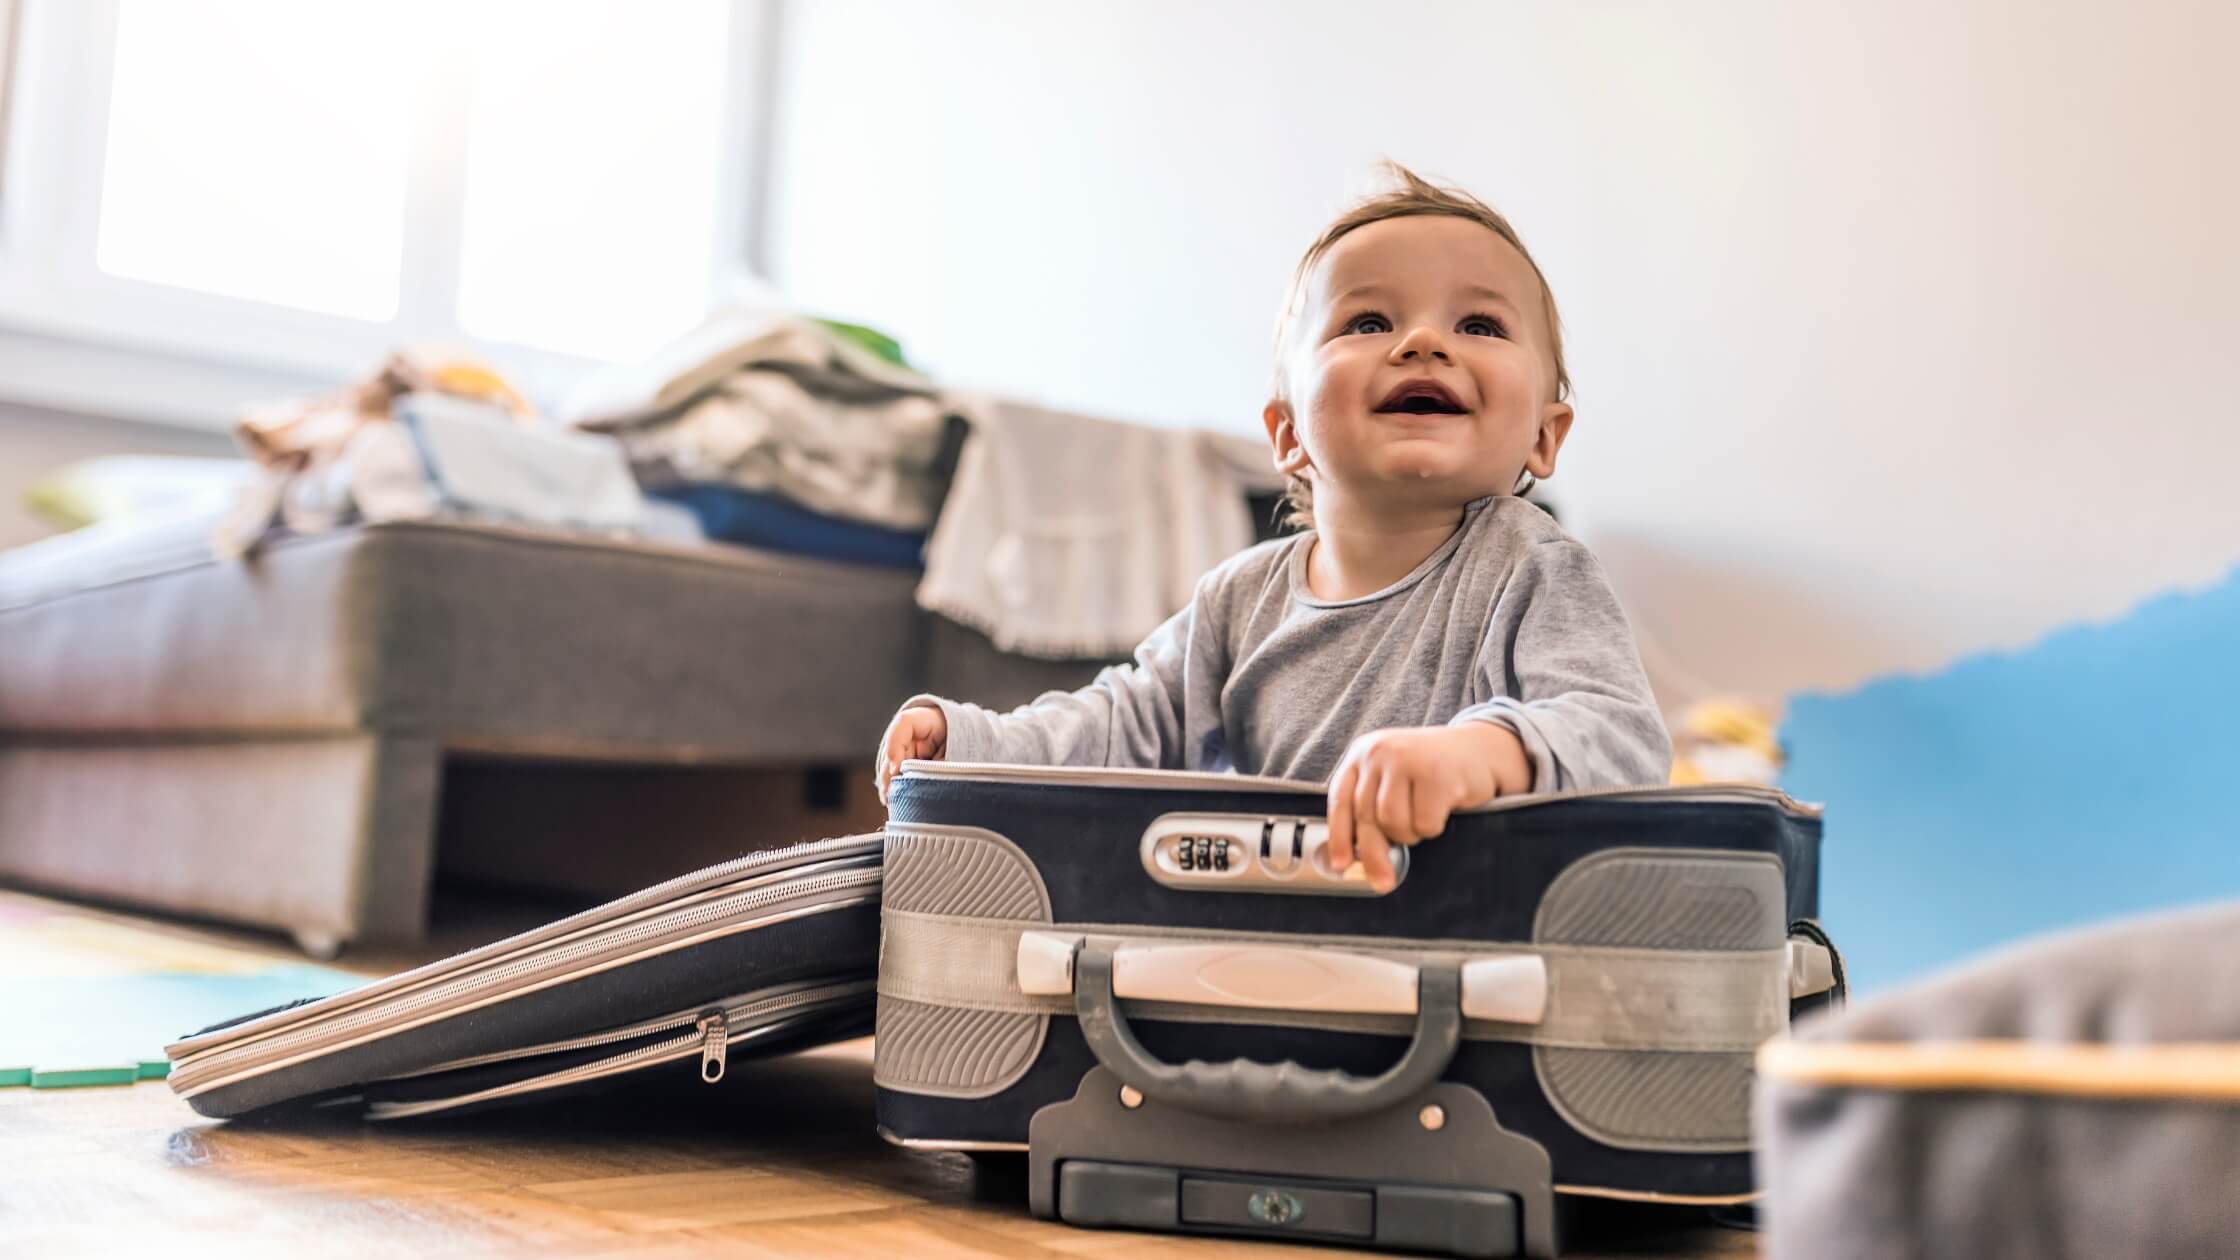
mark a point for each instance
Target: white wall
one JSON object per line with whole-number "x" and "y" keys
{"x": 1901, "y": 329}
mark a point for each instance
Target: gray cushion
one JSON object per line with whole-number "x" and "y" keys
{"x": 483, "y": 637}
{"x": 2077, "y": 1096}
{"x": 964, "y": 664}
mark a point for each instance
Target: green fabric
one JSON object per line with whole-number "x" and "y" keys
{"x": 63, "y": 500}
{"x": 870, "y": 339}
{"x": 89, "y": 491}
{"x": 71, "y": 1078}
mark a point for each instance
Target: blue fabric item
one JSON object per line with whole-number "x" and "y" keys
{"x": 773, "y": 523}
{"x": 2087, "y": 776}
{"x": 74, "y": 1024}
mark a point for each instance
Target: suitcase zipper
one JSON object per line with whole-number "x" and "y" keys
{"x": 627, "y": 1032}
{"x": 710, "y": 1035}
{"x": 679, "y": 893}
{"x": 284, "y": 1049}
{"x": 1173, "y": 780}
{"x": 715, "y": 1035}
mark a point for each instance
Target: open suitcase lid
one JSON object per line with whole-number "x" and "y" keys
{"x": 1173, "y": 780}
{"x": 601, "y": 957}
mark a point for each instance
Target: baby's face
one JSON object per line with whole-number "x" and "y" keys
{"x": 1419, "y": 368}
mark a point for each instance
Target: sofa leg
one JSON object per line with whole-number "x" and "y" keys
{"x": 399, "y": 852}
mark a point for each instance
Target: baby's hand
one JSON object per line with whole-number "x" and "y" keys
{"x": 1398, "y": 786}
{"x": 918, "y": 732}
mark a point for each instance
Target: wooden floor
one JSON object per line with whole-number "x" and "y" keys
{"x": 778, "y": 1160}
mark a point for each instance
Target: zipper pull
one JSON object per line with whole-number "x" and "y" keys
{"x": 715, "y": 1036}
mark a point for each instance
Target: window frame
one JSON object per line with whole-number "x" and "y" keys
{"x": 52, "y": 289}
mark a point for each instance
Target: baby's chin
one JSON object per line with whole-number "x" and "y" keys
{"x": 1417, "y": 480}
{"x": 1418, "y": 462}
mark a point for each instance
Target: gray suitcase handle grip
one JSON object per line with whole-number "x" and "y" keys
{"x": 1278, "y": 1093}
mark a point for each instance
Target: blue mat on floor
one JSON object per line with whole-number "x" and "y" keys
{"x": 92, "y": 999}
{"x": 112, "y": 1030}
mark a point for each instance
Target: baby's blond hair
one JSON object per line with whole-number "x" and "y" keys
{"x": 1412, "y": 195}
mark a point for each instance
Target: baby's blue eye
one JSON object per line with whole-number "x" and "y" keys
{"x": 1370, "y": 324}
{"x": 1481, "y": 326}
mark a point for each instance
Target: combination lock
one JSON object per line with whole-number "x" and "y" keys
{"x": 1252, "y": 853}
{"x": 1201, "y": 853}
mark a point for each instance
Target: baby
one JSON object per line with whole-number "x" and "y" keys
{"x": 1434, "y": 641}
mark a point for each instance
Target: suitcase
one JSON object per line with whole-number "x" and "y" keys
{"x": 772, "y": 952}
{"x": 1155, "y": 985}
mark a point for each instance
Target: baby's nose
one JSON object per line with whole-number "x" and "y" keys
{"x": 1422, "y": 343}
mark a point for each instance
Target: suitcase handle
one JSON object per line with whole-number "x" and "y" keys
{"x": 1510, "y": 988}
{"x": 1275, "y": 1093}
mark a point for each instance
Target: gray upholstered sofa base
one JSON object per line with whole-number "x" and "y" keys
{"x": 267, "y": 742}
{"x": 329, "y": 837}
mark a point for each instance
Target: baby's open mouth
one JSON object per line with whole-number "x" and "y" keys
{"x": 1422, "y": 398}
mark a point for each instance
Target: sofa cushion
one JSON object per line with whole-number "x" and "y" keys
{"x": 483, "y": 637}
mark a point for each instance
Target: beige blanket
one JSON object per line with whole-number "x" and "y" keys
{"x": 1068, "y": 536}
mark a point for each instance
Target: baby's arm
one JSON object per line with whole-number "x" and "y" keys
{"x": 1398, "y": 786}
{"x": 1131, "y": 715}
{"x": 1576, "y": 698}
{"x": 1577, "y": 713}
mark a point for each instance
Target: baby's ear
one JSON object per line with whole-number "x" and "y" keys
{"x": 1555, "y": 425}
{"x": 1283, "y": 438}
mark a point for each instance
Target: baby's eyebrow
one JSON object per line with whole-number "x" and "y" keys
{"x": 1494, "y": 295}
{"x": 1360, "y": 291}
{"x": 1374, "y": 290}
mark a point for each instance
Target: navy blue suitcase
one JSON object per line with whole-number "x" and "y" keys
{"x": 1154, "y": 984}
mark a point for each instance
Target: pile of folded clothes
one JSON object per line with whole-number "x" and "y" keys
{"x": 428, "y": 435}
{"x": 1056, "y": 535}
{"x": 778, "y": 431}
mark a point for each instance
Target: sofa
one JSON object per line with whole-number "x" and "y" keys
{"x": 301, "y": 739}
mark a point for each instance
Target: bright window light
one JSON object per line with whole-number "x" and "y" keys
{"x": 267, "y": 150}
{"x": 593, "y": 155}
{"x": 257, "y": 149}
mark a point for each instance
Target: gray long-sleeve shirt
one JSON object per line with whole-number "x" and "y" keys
{"x": 1509, "y": 621}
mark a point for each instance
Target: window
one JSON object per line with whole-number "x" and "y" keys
{"x": 562, "y": 182}
{"x": 601, "y": 257}
{"x": 257, "y": 149}
{"x": 7, "y": 65}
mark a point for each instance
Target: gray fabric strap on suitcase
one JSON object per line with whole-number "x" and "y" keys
{"x": 1665, "y": 969}
{"x": 1599, "y": 998}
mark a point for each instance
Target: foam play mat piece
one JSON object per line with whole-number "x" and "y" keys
{"x": 86, "y": 1000}
{"x": 2086, "y": 776}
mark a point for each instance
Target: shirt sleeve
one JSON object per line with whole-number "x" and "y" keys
{"x": 1560, "y": 668}
{"x": 1131, "y": 715}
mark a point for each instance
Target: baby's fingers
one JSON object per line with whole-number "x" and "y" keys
{"x": 1370, "y": 843}
{"x": 883, "y": 772}
{"x": 1433, "y": 809}
{"x": 1396, "y": 814}
{"x": 1376, "y": 860}
{"x": 1340, "y": 844}
{"x": 894, "y": 748}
